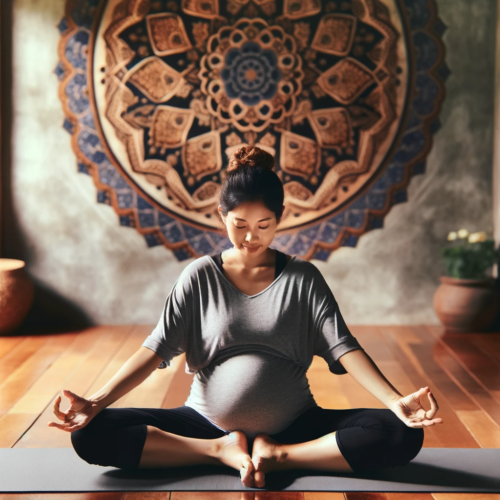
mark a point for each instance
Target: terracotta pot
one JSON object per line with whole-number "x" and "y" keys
{"x": 16, "y": 294}
{"x": 466, "y": 305}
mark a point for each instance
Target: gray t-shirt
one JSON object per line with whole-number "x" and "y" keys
{"x": 250, "y": 353}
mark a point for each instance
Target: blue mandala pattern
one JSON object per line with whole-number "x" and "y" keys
{"x": 251, "y": 73}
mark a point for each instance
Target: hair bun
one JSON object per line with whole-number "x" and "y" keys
{"x": 251, "y": 156}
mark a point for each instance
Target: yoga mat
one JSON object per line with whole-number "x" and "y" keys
{"x": 58, "y": 470}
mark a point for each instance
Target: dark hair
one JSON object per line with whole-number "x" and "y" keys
{"x": 250, "y": 177}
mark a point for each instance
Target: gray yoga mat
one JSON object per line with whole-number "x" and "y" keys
{"x": 58, "y": 470}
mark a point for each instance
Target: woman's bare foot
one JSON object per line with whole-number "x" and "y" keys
{"x": 232, "y": 450}
{"x": 267, "y": 455}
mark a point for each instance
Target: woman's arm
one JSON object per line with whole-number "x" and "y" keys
{"x": 364, "y": 370}
{"x": 136, "y": 369}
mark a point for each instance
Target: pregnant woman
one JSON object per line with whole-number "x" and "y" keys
{"x": 250, "y": 320}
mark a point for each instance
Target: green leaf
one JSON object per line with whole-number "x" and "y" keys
{"x": 470, "y": 260}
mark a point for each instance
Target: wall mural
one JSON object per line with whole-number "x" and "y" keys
{"x": 158, "y": 94}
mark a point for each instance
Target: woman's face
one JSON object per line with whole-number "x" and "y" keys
{"x": 250, "y": 227}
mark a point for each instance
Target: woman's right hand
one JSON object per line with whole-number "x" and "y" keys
{"x": 80, "y": 412}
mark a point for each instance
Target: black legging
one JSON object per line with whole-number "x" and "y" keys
{"x": 369, "y": 439}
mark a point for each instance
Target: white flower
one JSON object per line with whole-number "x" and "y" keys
{"x": 462, "y": 233}
{"x": 475, "y": 237}
{"x": 452, "y": 236}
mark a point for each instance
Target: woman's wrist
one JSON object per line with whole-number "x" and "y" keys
{"x": 394, "y": 399}
{"x": 98, "y": 402}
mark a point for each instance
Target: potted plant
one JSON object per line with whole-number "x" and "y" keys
{"x": 16, "y": 294}
{"x": 467, "y": 299}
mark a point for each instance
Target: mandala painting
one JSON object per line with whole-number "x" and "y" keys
{"x": 344, "y": 94}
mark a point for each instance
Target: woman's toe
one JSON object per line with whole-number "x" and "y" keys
{"x": 246, "y": 473}
{"x": 257, "y": 462}
{"x": 259, "y": 479}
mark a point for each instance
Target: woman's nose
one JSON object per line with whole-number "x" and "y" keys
{"x": 249, "y": 237}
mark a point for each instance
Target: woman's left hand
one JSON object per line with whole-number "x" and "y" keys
{"x": 412, "y": 413}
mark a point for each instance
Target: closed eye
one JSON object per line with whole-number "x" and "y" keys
{"x": 243, "y": 227}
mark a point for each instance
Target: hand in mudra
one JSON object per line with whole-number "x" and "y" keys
{"x": 412, "y": 413}
{"x": 78, "y": 415}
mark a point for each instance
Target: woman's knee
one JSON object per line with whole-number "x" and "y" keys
{"x": 87, "y": 445}
{"x": 405, "y": 444}
{"x": 399, "y": 443}
{"x": 414, "y": 440}
{"x": 95, "y": 443}
{"x": 121, "y": 448}
{"x": 379, "y": 440}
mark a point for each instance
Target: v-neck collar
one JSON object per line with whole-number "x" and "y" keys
{"x": 257, "y": 294}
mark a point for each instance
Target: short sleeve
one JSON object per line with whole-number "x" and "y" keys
{"x": 333, "y": 338}
{"x": 168, "y": 339}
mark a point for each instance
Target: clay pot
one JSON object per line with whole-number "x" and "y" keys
{"x": 464, "y": 305}
{"x": 16, "y": 294}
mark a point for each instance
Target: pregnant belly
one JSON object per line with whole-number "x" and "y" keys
{"x": 252, "y": 392}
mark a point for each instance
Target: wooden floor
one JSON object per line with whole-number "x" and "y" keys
{"x": 462, "y": 370}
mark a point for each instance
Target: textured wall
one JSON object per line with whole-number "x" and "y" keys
{"x": 496, "y": 137}
{"x": 88, "y": 269}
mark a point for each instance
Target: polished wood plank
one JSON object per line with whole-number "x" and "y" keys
{"x": 398, "y": 339}
{"x": 323, "y": 495}
{"x": 8, "y": 345}
{"x": 215, "y": 495}
{"x": 488, "y": 342}
{"x": 12, "y": 427}
{"x": 462, "y": 369}
{"x": 20, "y": 354}
{"x": 123, "y": 353}
{"x": 357, "y": 395}
{"x": 451, "y": 434}
{"x": 108, "y": 495}
{"x": 105, "y": 342}
{"x": 38, "y": 396}
{"x": 279, "y": 495}
{"x": 466, "y": 496}
{"x": 482, "y": 428}
{"x": 435, "y": 366}
{"x": 22, "y": 380}
{"x": 409, "y": 496}
{"x": 481, "y": 365}
{"x": 372, "y": 340}
{"x": 429, "y": 354}
{"x": 148, "y": 495}
{"x": 151, "y": 393}
{"x": 326, "y": 387}
{"x": 354, "y": 495}
{"x": 180, "y": 386}
{"x": 475, "y": 391}
{"x": 34, "y": 400}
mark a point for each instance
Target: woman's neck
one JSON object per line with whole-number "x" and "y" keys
{"x": 232, "y": 256}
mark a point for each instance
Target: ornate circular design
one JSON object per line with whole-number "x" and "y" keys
{"x": 345, "y": 94}
{"x": 251, "y": 75}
